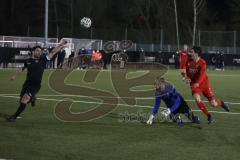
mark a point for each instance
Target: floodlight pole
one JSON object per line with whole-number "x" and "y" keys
{"x": 176, "y": 19}
{"x": 197, "y": 7}
{"x": 46, "y": 24}
{"x": 194, "y": 21}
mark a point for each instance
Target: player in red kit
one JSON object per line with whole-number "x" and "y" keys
{"x": 183, "y": 58}
{"x": 200, "y": 85}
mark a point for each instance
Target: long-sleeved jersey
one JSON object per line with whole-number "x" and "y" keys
{"x": 169, "y": 96}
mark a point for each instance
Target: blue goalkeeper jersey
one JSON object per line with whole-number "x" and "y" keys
{"x": 169, "y": 96}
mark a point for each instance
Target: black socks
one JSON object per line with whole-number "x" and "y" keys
{"x": 20, "y": 109}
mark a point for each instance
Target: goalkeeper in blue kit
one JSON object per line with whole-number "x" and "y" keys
{"x": 175, "y": 103}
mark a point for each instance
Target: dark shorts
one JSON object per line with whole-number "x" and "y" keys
{"x": 183, "y": 108}
{"x": 29, "y": 90}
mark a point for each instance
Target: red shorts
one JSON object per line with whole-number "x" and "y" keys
{"x": 205, "y": 89}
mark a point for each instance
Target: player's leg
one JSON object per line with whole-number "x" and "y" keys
{"x": 186, "y": 110}
{"x": 33, "y": 90}
{"x": 220, "y": 103}
{"x": 33, "y": 101}
{"x": 175, "y": 117}
{"x": 209, "y": 94}
{"x": 27, "y": 95}
{"x": 22, "y": 93}
{"x": 197, "y": 97}
{"x": 23, "y": 102}
{"x": 201, "y": 105}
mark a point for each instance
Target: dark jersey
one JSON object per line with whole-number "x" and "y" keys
{"x": 35, "y": 69}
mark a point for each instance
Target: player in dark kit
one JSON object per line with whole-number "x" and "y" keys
{"x": 35, "y": 67}
{"x": 174, "y": 101}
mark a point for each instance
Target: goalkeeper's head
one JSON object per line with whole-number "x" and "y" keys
{"x": 160, "y": 84}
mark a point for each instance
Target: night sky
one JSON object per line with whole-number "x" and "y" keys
{"x": 26, "y": 18}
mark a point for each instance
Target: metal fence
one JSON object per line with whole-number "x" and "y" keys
{"x": 24, "y": 42}
{"x": 226, "y": 42}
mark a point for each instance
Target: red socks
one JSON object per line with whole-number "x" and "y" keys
{"x": 203, "y": 107}
{"x": 219, "y": 103}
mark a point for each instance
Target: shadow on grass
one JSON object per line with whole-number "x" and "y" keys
{"x": 143, "y": 120}
{"x": 186, "y": 125}
{"x": 4, "y": 115}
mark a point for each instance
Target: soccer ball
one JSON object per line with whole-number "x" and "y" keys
{"x": 86, "y": 22}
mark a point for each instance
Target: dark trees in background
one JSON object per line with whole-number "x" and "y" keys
{"x": 143, "y": 19}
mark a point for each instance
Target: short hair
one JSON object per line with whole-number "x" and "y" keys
{"x": 197, "y": 50}
{"x": 35, "y": 47}
{"x": 161, "y": 80}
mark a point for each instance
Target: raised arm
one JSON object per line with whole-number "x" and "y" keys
{"x": 57, "y": 49}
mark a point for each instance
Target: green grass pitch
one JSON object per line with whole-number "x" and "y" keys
{"x": 40, "y": 135}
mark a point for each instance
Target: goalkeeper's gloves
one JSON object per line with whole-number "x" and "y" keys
{"x": 166, "y": 112}
{"x": 150, "y": 120}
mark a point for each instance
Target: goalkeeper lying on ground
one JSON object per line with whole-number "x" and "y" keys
{"x": 175, "y": 103}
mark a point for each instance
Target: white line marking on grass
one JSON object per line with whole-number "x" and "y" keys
{"x": 139, "y": 106}
{"x": 210, "y": 74}
{"x": 232, "y": 103}
{"x": 82, "y": 96}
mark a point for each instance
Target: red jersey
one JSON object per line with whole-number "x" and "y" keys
{"x": 183, "y": 58}
{"x": 196, "y": 71}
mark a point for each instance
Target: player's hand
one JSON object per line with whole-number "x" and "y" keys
{"x": 150, "y": 120}
{"x": 63, "y": 42}
{"x": 166, "y": 112}
{"x": 195, "y": 85}
{"x": 178, "y": 51}
{"x": 187, "y": 80}
{"x": 13, "y": 78}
